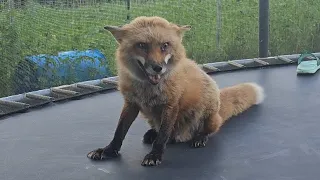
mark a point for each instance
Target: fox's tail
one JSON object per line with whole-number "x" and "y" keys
{"x": 238, "y": 98}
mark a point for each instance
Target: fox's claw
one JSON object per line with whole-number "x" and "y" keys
{"x": 152, "y": 159}
{"x": 102, "y": 153}
{"x": 199, "y": 141}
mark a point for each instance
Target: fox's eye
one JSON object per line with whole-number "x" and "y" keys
{"x": 142, "y": 45}
{"x": 164, "y": 46}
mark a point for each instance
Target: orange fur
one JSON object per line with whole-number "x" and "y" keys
{"x": 186, "y": 86}
{"x": 183, "y": 100}
{"x": 236, "y": 99}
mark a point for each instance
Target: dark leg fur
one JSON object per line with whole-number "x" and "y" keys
{"x": 150, "y": 136}
{"x": 128, "y": 115}
{"x": 168, "y": 119}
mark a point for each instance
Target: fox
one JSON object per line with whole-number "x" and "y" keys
{"x": 180, "y": 102}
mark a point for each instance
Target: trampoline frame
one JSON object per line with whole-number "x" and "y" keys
{"x": 30, "y": 100}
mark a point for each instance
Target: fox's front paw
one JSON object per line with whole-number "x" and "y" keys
{"x": 103, "y": 153}
{"x": 199, "y": 141}
{"x": 150, "y": 136}
{"x": 152, "y": 159}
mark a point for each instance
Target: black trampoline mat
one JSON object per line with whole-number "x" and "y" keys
{"x": 277, "y": 140}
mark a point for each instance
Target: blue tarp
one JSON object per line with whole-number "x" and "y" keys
{"x": 81, "y": 62}
{"x": 67, "y": 67}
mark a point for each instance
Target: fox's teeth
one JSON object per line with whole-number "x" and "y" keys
{"x": 154, "y": 78}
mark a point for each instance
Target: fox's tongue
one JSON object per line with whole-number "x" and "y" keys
{"x": 154, "y": 78}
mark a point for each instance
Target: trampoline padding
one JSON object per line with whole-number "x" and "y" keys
{"x": 278, "y": 139}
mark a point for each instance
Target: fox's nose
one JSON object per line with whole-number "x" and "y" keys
{"x": 156, "y": 68}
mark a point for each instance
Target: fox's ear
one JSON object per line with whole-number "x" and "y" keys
{"x": 184, "y": 27}
{"x": 116, "y": 31}
{"x": 181, "y": 29}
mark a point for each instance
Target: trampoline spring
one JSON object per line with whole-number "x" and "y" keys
{"x": 260, "y": 61}
{"x": 14, "y": 104}
{"x": 38, "y": 97}
{"x": 235, "y": 64}
{"x": 64, "y": 91}
{"x": 108, "y": 81}
{"x": 285, "y": 59}
{"x": 210, "y": 67}
{"x": 88, "y": 86}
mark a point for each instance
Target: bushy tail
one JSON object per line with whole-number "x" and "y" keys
{"x": 236, "y": 99}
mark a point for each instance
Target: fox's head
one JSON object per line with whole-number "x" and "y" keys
{"x": 149, "y": 47}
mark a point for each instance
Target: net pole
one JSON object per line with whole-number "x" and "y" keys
{"x": 263, "y": 28}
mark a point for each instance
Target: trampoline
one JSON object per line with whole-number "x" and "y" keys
{"x": 278, "y": 139}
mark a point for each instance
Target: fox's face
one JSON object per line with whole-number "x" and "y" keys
{"x": 149, "y": 47}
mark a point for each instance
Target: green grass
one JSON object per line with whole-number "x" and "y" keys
{"x": 36, "y": 29}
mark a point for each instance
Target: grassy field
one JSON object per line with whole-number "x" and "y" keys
{"x": 37, "y": 29}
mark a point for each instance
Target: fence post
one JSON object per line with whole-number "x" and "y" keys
{"x": 218, "y": 23}
{"x": 263, "y": 28}
{"x": 128, "y": 8}
{"x": 11, "y": 8}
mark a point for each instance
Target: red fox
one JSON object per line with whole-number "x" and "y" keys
{"x": 179, "y": 100}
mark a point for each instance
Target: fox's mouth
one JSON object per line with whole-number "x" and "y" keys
{"x": 153, "y": 79}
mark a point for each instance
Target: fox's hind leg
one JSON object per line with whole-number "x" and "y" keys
{"x": 211, "y": 125}
{"x": 150, "y": 136}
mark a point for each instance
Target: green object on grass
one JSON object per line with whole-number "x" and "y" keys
{"x": 308, "y": 63}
